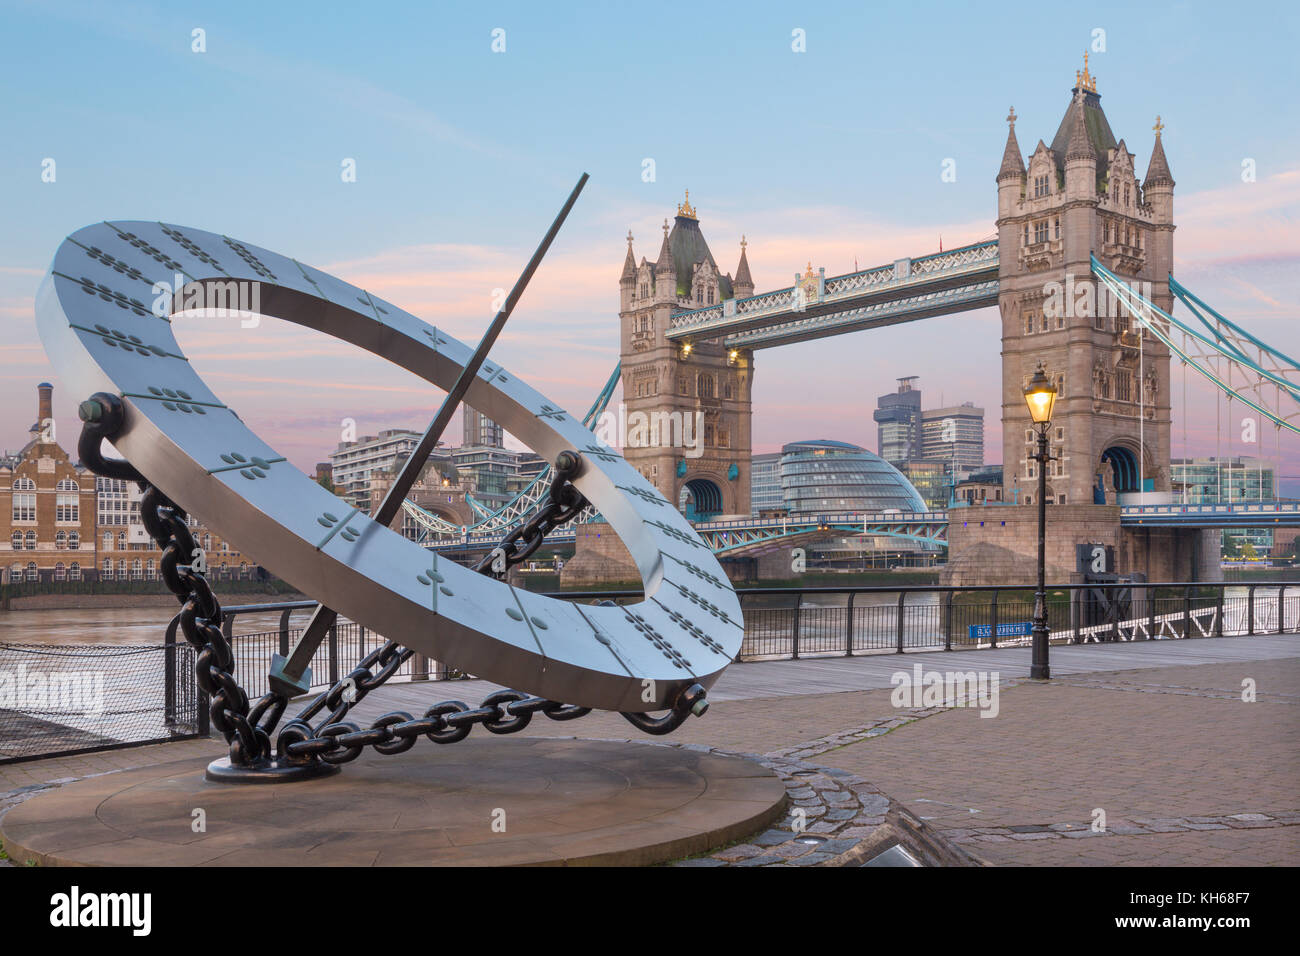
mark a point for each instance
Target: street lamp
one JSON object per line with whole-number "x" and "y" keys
{"x": 1040, "y": 396}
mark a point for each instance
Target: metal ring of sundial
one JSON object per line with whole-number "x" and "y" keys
{"x": 95, "y": 318}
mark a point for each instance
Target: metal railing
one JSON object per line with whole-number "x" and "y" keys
{"x": 149, "y": 692}
{"x": 820, "y": 622}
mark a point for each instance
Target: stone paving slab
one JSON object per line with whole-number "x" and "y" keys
{"x": 1177, "y": 761}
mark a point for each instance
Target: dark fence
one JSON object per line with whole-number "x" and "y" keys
{"x": 112, "y": 696}
{"x": 68, "y": 699}
{"x": 822, "y": 622}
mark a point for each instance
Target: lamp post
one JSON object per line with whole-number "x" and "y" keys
{"x": 1040, "y": 396}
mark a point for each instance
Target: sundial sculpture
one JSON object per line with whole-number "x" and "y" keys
{"x": 194, "y": 455}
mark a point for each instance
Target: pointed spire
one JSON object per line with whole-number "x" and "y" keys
{"x": 665, "y": 263}
{"x": 1158, "y": 173}
{"x": 1013, "y": 164}
{"x": 742, "y": 270}
{"x": 1084, "y": 80}
{"x": 1078, "y": 146}
{"x": 629, "y": 264}
{"x": 685, "y": 209}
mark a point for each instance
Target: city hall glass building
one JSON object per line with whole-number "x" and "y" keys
{"x": 827, "y": 476}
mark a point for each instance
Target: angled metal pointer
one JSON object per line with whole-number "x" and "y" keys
{"x": 290, "y": 675}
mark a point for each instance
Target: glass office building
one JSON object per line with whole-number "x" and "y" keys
{"x": 765, "y": 492}
{"x": 828, "y": 476}
{"x": 1215, "y": 480}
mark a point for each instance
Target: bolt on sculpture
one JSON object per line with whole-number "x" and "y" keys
{"x": 192, "y": 454}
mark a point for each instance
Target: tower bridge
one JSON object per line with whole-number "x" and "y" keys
{"x": 1080, "y": 270}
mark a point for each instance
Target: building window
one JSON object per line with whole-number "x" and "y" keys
{"x": 24, "y": 484}
{"x": 710, "y": 295}
{"x": 16, "y": 541}
{"x": 60, "y": 572}
{"x": 706, "y": 386}
{"x": 1040, "y": 231}
{"x": 135, "y": 570}
{"x": 1026, "y": 239}
{"x": 108, "y": 541}
{"x": 24, "y": 506}
{"x": 31, "y": 540}
{"x": 32, "y": 573}
{"x": 1041, "y": 186}
{"x": 65, "y": 507}
{"x": 107, "y": 573}
{"x": 74, "y": 571}
{"x": 74, "y": 541}
{"x": 1029, "y": 323}
{"x": 1056, "y": 229}
{"x": 60, "y": 540}
{"x": 121, "y": 541}
{"x": 67, "y": 484}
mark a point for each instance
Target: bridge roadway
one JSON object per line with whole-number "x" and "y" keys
{"x": 741, "y": 536}
{"x": 903, "y": 291}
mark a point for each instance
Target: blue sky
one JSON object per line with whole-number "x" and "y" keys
{"x": 463, "y": 155}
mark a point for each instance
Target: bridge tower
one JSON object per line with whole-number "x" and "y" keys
{"x": 1078, "y": 197}
{"x": 687, "y": 407}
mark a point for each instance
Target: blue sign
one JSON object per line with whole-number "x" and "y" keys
{"x": 1015, "y": 629}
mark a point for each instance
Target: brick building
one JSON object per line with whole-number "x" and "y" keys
{"x": 63, "y": 523}
{"x": 47, "y": 506}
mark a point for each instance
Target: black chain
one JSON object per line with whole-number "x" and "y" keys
{"x": 182, "y": 570}
{"x": 336, "y": 740}
{"x": 564, "y": 503}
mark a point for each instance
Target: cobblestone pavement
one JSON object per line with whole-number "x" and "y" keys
{"x": 1185, "y": 772}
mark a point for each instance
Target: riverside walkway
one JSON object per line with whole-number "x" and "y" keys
{"x": 1155, "y": 735}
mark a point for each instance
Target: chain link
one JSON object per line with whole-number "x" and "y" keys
{"x": 335, "y": 739}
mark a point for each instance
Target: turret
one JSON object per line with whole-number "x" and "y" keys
{"x": 743, "y": 284}
{"x": 627, "y": 281}
{"x": 1011, "y": 175}
{"x": 1080, "y": 156}
{"x": 665, "y": 271}
{"x": 1158, "y": 188}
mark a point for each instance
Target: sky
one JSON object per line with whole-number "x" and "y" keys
{"x": 463, "y": 154}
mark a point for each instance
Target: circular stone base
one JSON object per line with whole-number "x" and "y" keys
{"x": 499, "y": 802}
{"x": 222, "y": 771}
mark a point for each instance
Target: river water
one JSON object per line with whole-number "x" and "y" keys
{"x": 137, "y": 625}
{"x": 146, "y": 625}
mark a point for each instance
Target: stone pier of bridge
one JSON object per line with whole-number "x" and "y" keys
{"x": 998, "y": 544}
